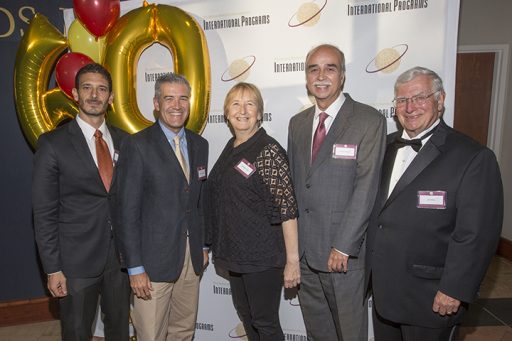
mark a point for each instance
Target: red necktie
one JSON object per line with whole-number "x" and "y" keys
{"x": 319, "y": 137}
{"x": 105, "y": 166}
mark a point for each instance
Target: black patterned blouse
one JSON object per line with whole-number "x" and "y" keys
{"x": 250, "y": 193}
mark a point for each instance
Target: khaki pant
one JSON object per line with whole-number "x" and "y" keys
{"x": 170, "y": 314}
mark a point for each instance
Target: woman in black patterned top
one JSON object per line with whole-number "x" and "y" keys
{"x": 252, "y": 216}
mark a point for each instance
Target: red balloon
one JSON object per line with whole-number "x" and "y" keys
{"x": 66, "y": 69}
{"x": 98, "y": 16}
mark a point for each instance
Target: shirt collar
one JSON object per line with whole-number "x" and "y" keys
{"x": 169, "y": 134}
{"x": 333, "y": 109}
{"x": 405, "y": 136}
{"x": 88, "y": 130}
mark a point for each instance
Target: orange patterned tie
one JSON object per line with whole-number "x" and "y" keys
{"x": 105, "y": 166}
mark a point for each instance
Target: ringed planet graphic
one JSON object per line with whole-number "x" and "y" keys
{"x": 388, "y": 59}
{"x": 238, "y": 69}
{"x": 238, "y": 332}
{"x": 308, "y": 14}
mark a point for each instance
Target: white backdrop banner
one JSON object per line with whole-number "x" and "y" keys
{"x": 265, "y": 42}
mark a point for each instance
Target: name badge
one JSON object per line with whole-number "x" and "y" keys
{"x": 201, "y": 173}
{"x": 432, "y": 199}
{"x": 344, "y": 151}
{"x": 245, "y": 168}
{"x": 115, "y": 157}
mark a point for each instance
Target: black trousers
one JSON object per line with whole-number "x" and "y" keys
{"x": 385, "y": 330}
{"x": 256, "y": 297}
{"x": 78, "y": 308}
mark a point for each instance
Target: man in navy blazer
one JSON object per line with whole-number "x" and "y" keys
{"x": 162, "y": 175}
{"x": 73, "y": 214}
{"x": 436, "y": 221}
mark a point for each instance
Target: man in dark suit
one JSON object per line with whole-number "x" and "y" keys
{"x": 72, "y": 189}
{"x": 335, "y": 183}
{"x": 436, "y": 221}
{"x": 163, "y": 172}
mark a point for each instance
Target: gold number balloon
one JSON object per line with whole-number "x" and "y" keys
{"x": 39, "y": 110}
{"x": 180, "y": 33}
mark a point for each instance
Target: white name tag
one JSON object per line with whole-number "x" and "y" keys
{"x": 201, "y": 173}
{"x": 245, "y": 168}
{"x": 344, "y": 151}
{"x": 432, "y": 199}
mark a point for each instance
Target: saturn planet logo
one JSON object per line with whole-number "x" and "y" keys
{"x": 238, "y": 69}
{"x": 308, "y": 14}
{"x": 387, "y": 60}
{"x": 238, "y": 332}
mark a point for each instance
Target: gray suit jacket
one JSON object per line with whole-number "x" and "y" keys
{"x": 157, "y": 206}
{"x": 335, "y": 195}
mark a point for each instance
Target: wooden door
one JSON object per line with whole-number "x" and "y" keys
{"x": 473, "y": 90}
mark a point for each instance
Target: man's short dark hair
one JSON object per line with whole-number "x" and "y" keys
{"x": 94, "y": 68}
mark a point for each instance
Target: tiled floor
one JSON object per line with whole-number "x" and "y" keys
{"x": 488, "y": 319}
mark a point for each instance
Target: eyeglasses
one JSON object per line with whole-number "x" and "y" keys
{"x": 418, "y": 100}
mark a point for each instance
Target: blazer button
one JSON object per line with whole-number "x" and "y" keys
{"x": 308, "y": 185}
{"x": 380, "y": 226}
{"x": 306, "y": 210}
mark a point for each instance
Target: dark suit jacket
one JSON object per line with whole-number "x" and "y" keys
{"x": 158, "y": 206}
{"x": 335, "y": 196}
{"x": 72, "y": 209}
{"x": 414, "y": 252}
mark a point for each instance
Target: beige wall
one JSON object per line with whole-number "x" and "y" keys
{"x": 488, "y": 22}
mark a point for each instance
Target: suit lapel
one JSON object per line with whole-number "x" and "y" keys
{"x": 191, "y": 156}
{"x": 426, "y": 155}
{"x": 116, "y": 139}
{"x": 82, "y": 149}
{"x": 387, "y": 170}
{"x": 165, "y": 150}
{"x": 338, "y": 128}
{"x": 305, "y": 131}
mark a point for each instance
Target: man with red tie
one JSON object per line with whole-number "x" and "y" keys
{"x": 73, "y": 186}
{"x": 335, "y": 150}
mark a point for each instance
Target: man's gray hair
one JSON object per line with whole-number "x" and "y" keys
{"x": 407, "y": 76}
{"x": 171, "y": 78}
{"x": 341, "y": 55}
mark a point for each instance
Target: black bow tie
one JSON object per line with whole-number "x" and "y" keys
{"x": 414, "y": 143}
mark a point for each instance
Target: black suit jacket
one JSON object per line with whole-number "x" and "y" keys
{"x": 72, "y": 209}
{"x": 414, "y": 252}
{"x": 157, "y": 205}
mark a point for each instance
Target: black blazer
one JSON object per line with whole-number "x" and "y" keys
{"x": 72, "y": 209}
{"x": 414, "y": 252}
{"x": 157, "y": 206}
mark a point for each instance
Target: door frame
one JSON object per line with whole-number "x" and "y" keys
{"x": 499, "y": 90}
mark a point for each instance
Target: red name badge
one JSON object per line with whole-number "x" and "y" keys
{"x": 344, "y": 151}
{"x": 201, "y": 173}
{"x": 245, "y": 168}
{"x": 432, "y": 199}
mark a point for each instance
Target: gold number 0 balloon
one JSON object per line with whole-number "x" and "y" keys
{"x": 39, "y": 110}
{"x": 180, "y": 33}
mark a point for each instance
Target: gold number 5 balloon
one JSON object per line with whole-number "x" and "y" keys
{"x": 41, "y": 110}
{"x": 179, "y": 32}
